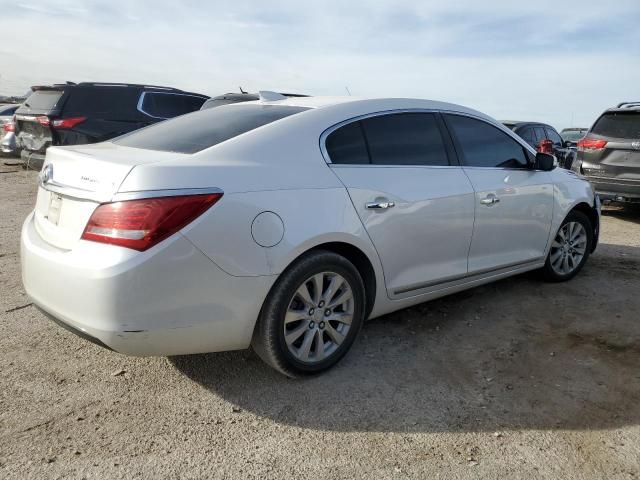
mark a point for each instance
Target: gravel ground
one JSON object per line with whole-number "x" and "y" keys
{"x": 518, "y": 379}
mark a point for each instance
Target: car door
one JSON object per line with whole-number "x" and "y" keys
{"x": 416, "y": 206}
{"x": 514, "y": 203}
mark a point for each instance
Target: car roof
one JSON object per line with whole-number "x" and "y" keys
{"x": 155, "y": 88}
{"x": 372, "y": 104}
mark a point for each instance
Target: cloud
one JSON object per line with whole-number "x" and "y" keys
{"x": 539, "y": 61}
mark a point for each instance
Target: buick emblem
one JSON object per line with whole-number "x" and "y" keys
{"x": 635, "y": 145}
{"x": 47, "y": 174}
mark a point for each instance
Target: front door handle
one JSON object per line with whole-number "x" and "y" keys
{"x": 380, "y": 205}
{"x": 489, "y": 200}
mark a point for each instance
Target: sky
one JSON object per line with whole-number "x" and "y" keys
{"x": 561, "y": 62}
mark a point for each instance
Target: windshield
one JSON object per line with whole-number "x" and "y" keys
{"x": 199, "y": 130}
{"x": 618, "y": 125}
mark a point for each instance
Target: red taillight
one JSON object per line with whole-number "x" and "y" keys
{"x": 591, "y": 144}
{"x": 546, "y": 146}
{"x": 43, "y": 120}
{"x": 140, "y": 224}
{"x": 62, "y": 123}
{"x": 9, "y": 127}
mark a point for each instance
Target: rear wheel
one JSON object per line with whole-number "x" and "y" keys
{"x": 570, "y": 248}
{"x": 311, "y": 316}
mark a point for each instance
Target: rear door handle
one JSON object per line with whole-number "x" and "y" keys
{"x": 380, "y": 205}
{"x": 489, "y": 200}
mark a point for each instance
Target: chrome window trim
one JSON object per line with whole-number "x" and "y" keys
{"x": 331, "y": 129}
{"x": 141, "y": 102}
{"x": 124, "y": 196}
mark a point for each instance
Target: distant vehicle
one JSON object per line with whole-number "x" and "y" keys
{"x": 544, "y": 138}
{"x": 75, "y": 114}
{"x": 572, "y": 135}
{"x": 284, "y": 224}
{"x": 609, "y": 155}
{"x": 7, "y": 129}
{"x": 228, "y": 98}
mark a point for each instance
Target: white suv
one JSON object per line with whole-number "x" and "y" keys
{"x": 284, "y": 223}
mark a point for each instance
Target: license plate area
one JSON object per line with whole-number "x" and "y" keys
{"x": 55, "y": 206}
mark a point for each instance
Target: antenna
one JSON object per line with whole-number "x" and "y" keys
{"x": 242, "y": 91}
{"x": 347, "y": 89}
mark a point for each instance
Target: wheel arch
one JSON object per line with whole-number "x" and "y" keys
{"x": 594, "y": 218}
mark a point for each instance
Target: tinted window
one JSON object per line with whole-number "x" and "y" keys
{"x": 405, "y": 139}
{"x": 43, "y": 99}
{"x": 540, "y": 135}
{"x": 483, "y": 145}
{"x": 206, "y": 128}
{"x": 346, "y": 145}
{"x": 553, "y": 136}
{"x": 528, "y": 136}
{"x": 8, "y": 111}
{"x": 573, "y": 135}
{"x": 117, "y": 103}
{"x": 169, "y": 105}
{"x": 618, "y": 125}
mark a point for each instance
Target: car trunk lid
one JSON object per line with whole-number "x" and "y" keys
{"x": 33, "y": 118}
{"x": 75, "y": 180}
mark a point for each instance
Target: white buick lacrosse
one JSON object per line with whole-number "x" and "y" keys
{"x": 283, "y": 224}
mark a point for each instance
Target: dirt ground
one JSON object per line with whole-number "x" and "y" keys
{"x": 518, "y": 379}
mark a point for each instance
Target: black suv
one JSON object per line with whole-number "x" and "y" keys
{"x": 609, "y": 155}
{"x": 73, "y": 114}
{"x": 534, "y": 133}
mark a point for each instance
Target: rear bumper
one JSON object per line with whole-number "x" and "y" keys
{"x": 616, "y": 190}
{"x": 169, "y": 300}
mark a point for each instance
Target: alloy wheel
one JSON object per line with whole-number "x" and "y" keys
{"x": 318, "y": 317}
{"x": 568, "y": 248}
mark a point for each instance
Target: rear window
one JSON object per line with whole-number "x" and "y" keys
{"x": 618, "y": 125}
{"x": 43, "y": 99}
{"x": 204, "y": 129}
{"x": 169, "y": 105}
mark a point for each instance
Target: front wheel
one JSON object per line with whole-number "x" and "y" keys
{"x": 570, "y": 248}
{"x": 311, "y": 316}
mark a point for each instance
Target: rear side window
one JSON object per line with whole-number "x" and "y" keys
{"x": 43, "y": 99}
{"x": 618, "y": 125}
{"x": 112, "y": 103}
{"x": 528, "y": 136}
{"x": 483, "y": 145}
{"x": 206, "y": 128}
{"x": 169, "y": 105}
{"x": 347, "y": 145}
{"x": 540, "y": 135}
{"x": 405, "y": 139}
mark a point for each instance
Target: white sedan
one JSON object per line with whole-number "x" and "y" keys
{"x": 283, "y": 224}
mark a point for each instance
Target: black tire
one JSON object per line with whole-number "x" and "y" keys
{"x": 269, "y": 338}
{"x": 548, "y": 273}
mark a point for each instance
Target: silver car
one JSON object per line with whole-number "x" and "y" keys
{"x": 7, "y": 129}
{"x": 284, "y": 223}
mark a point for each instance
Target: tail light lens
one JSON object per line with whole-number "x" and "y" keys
{"x": 545, "y": 146}
{"x": 591, "y": 144}
{"x": 141, "y": 224}
{"x": 9, "y": 127}
{"x": 63, "y": 123}
{"x": 43, "y": 120}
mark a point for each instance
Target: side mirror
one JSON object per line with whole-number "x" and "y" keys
{"x": 545, "y": 162}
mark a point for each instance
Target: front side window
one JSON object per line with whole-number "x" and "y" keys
{"x": 483, "y": 145}
{"x": 554, "y": 137}
{"x": 206, "y": 128}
